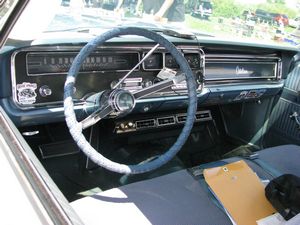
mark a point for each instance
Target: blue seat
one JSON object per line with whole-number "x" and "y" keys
{"x": 284, "y": 158}
{"x": 175, "y": 198}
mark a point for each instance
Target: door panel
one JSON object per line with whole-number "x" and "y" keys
{"x": 282, "y": 128}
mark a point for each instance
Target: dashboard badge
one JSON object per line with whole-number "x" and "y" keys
{"x": 26, "y": 93}
{"x": 239, "y": 70}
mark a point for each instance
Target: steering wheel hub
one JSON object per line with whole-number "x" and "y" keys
{"x": 122, "y": 101}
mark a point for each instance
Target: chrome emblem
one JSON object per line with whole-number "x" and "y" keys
{"x": 239, "y": 70}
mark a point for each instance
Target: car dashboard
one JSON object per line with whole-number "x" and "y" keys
{"x": 224, "y": 74}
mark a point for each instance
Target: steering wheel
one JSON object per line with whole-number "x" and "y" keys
{"x": 119, "y": 101}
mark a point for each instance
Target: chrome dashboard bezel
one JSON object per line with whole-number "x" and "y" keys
{"x": 251, "y": 59}
{"x": 81, "y": 72}
{"x": 184, "y": 51}
{"x": 140, "y": 49}
{"x": 124, "y": 49}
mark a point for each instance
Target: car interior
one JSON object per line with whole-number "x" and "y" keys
{"x": 177, "y": 104}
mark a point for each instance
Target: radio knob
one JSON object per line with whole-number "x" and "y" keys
{"x": 122, "y": 126}
{"x": 45, "y": 91}
{"x": 130, "y": 124}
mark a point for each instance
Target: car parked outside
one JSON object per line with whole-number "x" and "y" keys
{"x": 295, "y": 23}
{"x": 264, "y": 16}
{"x": 280, "y": 18}
{"x": 248, "y": 15}
{"x": 202, "y": 9}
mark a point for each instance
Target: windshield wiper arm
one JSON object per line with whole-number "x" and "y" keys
{"x": 177, "y": 33}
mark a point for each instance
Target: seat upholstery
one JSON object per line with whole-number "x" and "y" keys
{"x": 176, "y": 198}
{"x": 285, "y": 158}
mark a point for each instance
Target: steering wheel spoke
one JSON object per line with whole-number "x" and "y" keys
{"x": 96, "y": 116}
{"x": 159, "y": 86}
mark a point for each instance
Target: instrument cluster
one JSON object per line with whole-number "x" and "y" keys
{"x": 42, "y": 82}
{"x": 158, "y": 61}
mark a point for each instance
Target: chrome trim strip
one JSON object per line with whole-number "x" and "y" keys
{"x": 181, "y": 97}
{"x": 104, "y": 48}
{"x": 239, "y": 78}
{"x": 203, "y": 63}
{"x": 13, "y": 80}
{"x": 279, "y": 69}
{"x": 239, "y": 56}
{"x": 239, "y": 61}
{"x": 240, "y": 86}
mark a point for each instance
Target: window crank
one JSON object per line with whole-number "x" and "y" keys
{"x": 295, "y": 116}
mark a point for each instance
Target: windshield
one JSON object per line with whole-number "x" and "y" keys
{"x": 263, "y": 21}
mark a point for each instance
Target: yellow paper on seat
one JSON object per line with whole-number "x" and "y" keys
{"x": 240, "y": 191}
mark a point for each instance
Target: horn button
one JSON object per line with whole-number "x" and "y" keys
{"x": 121, "y": 100}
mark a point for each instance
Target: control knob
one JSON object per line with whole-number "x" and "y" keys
{"x": 45, "y": 91}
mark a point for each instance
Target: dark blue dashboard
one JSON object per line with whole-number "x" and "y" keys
{"x": 32, "y": 78}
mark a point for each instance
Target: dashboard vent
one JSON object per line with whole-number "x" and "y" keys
{"x": 203, "y": 115}
{"x": 143, "y": 124}
{"x": 163, "y": 121}
{"x": 181, "y": 118}
{"x": 200, "y": 116}
{"x": 157, "y": 122}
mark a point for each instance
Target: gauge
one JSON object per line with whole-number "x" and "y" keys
{"x": 171, "y": 62}
{"x": 193, "y": 60}
{"x": 154, "y": 62}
